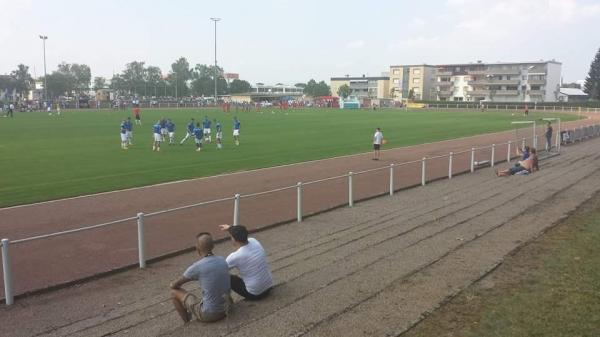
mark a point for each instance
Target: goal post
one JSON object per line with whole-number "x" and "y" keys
{"x": 525, "y": 133}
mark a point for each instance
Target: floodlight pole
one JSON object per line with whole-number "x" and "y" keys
{"x": 44, "y": 38}
{"x": 215, "y": 20}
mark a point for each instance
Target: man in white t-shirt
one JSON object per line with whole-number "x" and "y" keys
{"x": 377, "y": 140}
{"x": 254, "y": 281}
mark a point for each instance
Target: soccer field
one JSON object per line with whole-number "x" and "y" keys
{"x": 49, "y": 157}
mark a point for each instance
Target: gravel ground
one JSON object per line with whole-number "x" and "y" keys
{"x": 372, "y": 270}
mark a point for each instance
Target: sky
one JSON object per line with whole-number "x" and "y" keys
{"x": 293, "y": 41}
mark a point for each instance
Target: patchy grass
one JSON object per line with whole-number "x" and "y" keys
{"x": 551, "y": 287}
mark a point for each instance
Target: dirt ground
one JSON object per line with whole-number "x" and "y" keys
{"x": 49, "y": 262}
{"x": 375, "y": 269}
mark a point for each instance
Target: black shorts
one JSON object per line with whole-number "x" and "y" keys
{"x": 376, "y": 146}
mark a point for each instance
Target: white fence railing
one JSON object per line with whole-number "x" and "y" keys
{"x": 574, "y": 135}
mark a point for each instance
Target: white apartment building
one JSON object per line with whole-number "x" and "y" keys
{"x": 499, "y": 82}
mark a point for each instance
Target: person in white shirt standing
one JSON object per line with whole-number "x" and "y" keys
{"x": 377, "y": 140}
{"x": 254, "y": 281}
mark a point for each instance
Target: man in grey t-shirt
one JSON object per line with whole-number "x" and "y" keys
{"x": 212, "y": 273}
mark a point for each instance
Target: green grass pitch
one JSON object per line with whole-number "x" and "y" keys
{"x": 48, "y": 157}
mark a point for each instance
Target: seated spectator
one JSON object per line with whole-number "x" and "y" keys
{"x": 254, "y": 281}
{"x": 523, "y": 153}
{"x": 530, "y": 165}
{"x": 212, "y": 274}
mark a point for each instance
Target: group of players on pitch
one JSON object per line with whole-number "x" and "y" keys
{"x": 164, "y": 130}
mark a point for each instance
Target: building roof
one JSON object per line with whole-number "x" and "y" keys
{"x": 372, "y": 78}
{"x": 496, "y": 63}
{"x": 572, "y": 92}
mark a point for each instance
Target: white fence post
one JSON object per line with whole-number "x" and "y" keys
{"x": 236, "y": 210}
{"x": 141, "y": 241}
{"x": 535, "y": 141}
{"x": 8, "y": 294}
{"x": 299, "y": 202}
{"x": 508, "y": 152}
{"x": 493, "y": 155}
{"x": 423, "y": 168}
{"x": 472, "y": 159}
{"x": 350, "y": 190}
{"x": 523, "y": 142}
{"x": 450, "y": 165}
{"x": 392, "y": 179}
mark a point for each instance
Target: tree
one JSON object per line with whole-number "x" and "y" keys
{"x": 60, "y": 83}
{"x": 411, "y": 94}
{"x": 239, "y": 86}
{"x": 22, "y": 80}
{"x": 134, "y": 76}
{"x": 300, "y": 85}
{"x": 203, "y": 83}
{"x": 180, "y": 75}
{"x": 344, "y": 91}
{"x": 315, "y": 89}
{"x": 153, "y": 77}
{"x": 592, "y": 82}
{"x": 99, "y": 83}
{"x": 77, "y": 77}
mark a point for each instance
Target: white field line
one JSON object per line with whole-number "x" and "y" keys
{"x": 243, "y": 172}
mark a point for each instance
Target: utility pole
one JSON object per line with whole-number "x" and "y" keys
{"x": 215, "y": 20}
{"x": 44, "y": 38}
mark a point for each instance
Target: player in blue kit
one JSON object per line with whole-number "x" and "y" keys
{"x": 207, "y": 130}
{"x": 171, "y": 130}
{"x": 219, "y": 137}
{"x": 129, "y": 127}
{"x": 124, "y": 135}
{"x": 198, "y": 133}
{"x": 190, "y": 131}
{"x": 236, "y": 130}
{"x": 156, "y": 129}
{"x": 163, "y": 128}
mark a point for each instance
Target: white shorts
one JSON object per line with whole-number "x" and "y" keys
{"x": 123, "y": 137}
{"x": 236, "y": 132}
{"x": 198, "y": 140}
{"x": 171, "y": 134}
{"x": 219, "y": 135}
{"x": 163, "y": 131}
{"x": 129, "y": 134}
{"x": 206, "y": 131}
{"x": 157, "y": 137}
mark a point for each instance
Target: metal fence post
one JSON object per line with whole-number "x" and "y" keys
{"x": 423, "y": 164}
{"x": 523, "y": 142}
{"x": 392, "y": 179}
{"x": 141, "y": 241}
{"x": 236, "y": 210}
{"x": 508, "y": 152}
{"x": 299, "y": 202}
{"x": 535, "y": 141}
{"x": 450, "y": 165}
{"x": 8, "y": 294}
{"x": 493, "y": 155}
{"x": 472, "y": 159}
{"x": 350, "y": 190}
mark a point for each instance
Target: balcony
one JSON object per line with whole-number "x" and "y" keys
{"x": 495, "y": 82}
{"x": 444, "y": 73}
{"x": 537, "y": 92}
{"x": 536, "y": 82}
{"x": 444, "y": 93}
{"x": 479, "y": 92}
{"x": 444, "y": 83}
{"x": 506, "y": 93}
{"x": 495, "y": 72}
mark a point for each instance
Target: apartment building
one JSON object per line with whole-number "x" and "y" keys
{"x": 417, "y": 81}
{"x": 363, "y": 87}
{"x": 499, "y": 82}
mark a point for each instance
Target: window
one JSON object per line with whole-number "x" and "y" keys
{"x": 416, "y": 80}
{"x": 416, "y": 89}
{"x": 396, "y": 81}
{"x": 417, "y": 71}
{"x": 396, "y": 72}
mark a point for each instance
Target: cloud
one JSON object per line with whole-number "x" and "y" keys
{"x": 415, "y": 42}
{"x": 355, "y": 44}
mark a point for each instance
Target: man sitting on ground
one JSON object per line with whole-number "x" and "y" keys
{"x": 529, "y": 165}
{"x": 212, "y": 274}
{"x": 255, "y": 280}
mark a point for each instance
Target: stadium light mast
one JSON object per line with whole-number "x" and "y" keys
{"x": 44, "y": 38}
{"x": 215, "y": 20}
